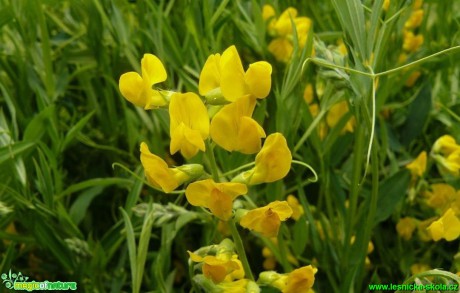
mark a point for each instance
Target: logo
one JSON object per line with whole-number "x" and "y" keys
{"x": 20, "y": 282}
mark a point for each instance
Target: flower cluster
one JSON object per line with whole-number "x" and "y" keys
{"x": 220, "y": 115}
{"x": 282, "y": 30}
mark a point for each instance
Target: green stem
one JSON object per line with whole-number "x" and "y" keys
{"x": 240, "y": 249}
{"x": 309, "y": 131}
{"x": 238, "y": 169}
{"x": 212, "y": 160}
{"x": 354, "y": 191}
{"x": 308, "y": 167}
{"x": 235, "y": 234}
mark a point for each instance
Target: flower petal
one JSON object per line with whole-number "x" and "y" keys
{"x": 232, "y": 81}
{"x": 258, "y": 78}
{"x": 210, "y": 75}
{"x": 132, "y": 88}
{"x": 199, "y": 193}
{"x": 153, "y": 70}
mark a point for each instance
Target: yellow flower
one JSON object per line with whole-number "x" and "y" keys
{"x": 336, "y": 113}
{"x": 281, "y": 48}
{"x": 268, "y": 11}
{"x": 418, "y": 166}
{"x": 283, "y": 25}
{"x": 440, "y": 196}
{"x": 447, "y": 227}
{"x": 225, "y": 75}
{"x": 412, "y": 42}
{"x": 240, "y": 286}
{"x": 217, "y": 197}
{"x": 406, "y": 227}
{"x": 272, "y": 162}
{"x": 308, "y": 94}
{"x": 445, "y": 145}
{"x": 157, "y": 172}
{"x": 423, "y": 233}
{"x": 417, "y": 4}
{"x": 189, "y": 124}
{"x": 386, "y": 5}
{"x": 267, "y": 220}
{"x": 214, "y": 268}
{"x": 419, "y": 268}
{"x": 233, "y": 129}
{"x": 297, "y": 209}
{"x": 414, "y": 20}
{"x": 300, "y": 280}
{"x": 451, "y": 163}
{"x": 138, "y": 89}
{"x": 342, "y": 48}
{"x": 412, "y": 78}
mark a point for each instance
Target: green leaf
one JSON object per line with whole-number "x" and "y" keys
{"x": 75, "y": 130}
{"x": 131, "y": 242}
{"x": 78, "y": 209}
{"x": 9, "y": 152}
{"x": 391, "y": 192}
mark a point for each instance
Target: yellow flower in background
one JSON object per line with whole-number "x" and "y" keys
{"x": 406, "y": 227}
{"x": 412, "y": 79}
{"x": 418, "y": 268}
{"x": 386, "y": 5}
{"x": 233, "y": 129}
{"x": 422, "y": 231}
{"x": 224, "y": 74}
{"x": 297, "y": 209}
{"x": 445, "y": 145}
{"x": 239, "y": 286}
{"x": 418, "y": 166}
{"x": 300, "y": 280}
{"x": 214, "y": 268}
{"x": 267, "y": 220}
{"x": 157, "y": 172}
{"x": 447, "y": 227}
{"x": 138, "y": 89}
{"x": 308, "y": 94}
{"x": 451, "y": 163}
{"x": 411, "y": 42}
{"x": 336, "y": 113}
{"x": 189, "y": 124}
{"x": 217, "y": 197}
{"x": 440, "y": 196}
{"x": 415, "y": 19}
{"x": 282, "y": 29}
{"x": 272, "y": 162}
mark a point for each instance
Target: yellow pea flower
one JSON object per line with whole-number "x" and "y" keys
{"x": 214, "y": 268}
{"x": 272, "y": 162}
{"x": 445, "y": 145}
{"x": 159, "y": 175}
{"x": 224, "y": 74}
{"x": 233, "y": 129}
{"x": 336, "y": 113}
{"x": 412, "y": 42}
{"x": 406, "y": 227}
{"x": 300, "y": 280}
{"x": 217, "y": 197}
{"x": 138, "y": 89}
{"x": 447, "y": 227}
{"x": 267, "y": 220}
{"x": 189, "y": 124}
{"x": 239, "y": 286}
{"x": 308, "y": 94}
{"x": 418, "y": 268}
{"x": 440, "y": 196}
{"x": 268, "y": 11}
{"x": 386, "y": 5}
{"x": 451, "y": 163}
{"x": 297, "y": 209}
{"x": 414, "y": 20}
{"x": 281, "y": 48}
{"x": 418, "y": 166}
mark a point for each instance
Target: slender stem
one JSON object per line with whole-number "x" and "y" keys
{"x": 309, "y": 167}
{"x": 309, "y": 131}
{"x": 212, "y": 159}
{"x": 235, "y": 234}
{"x": 238, "y": 169}
{"x": 240, "y": 249}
